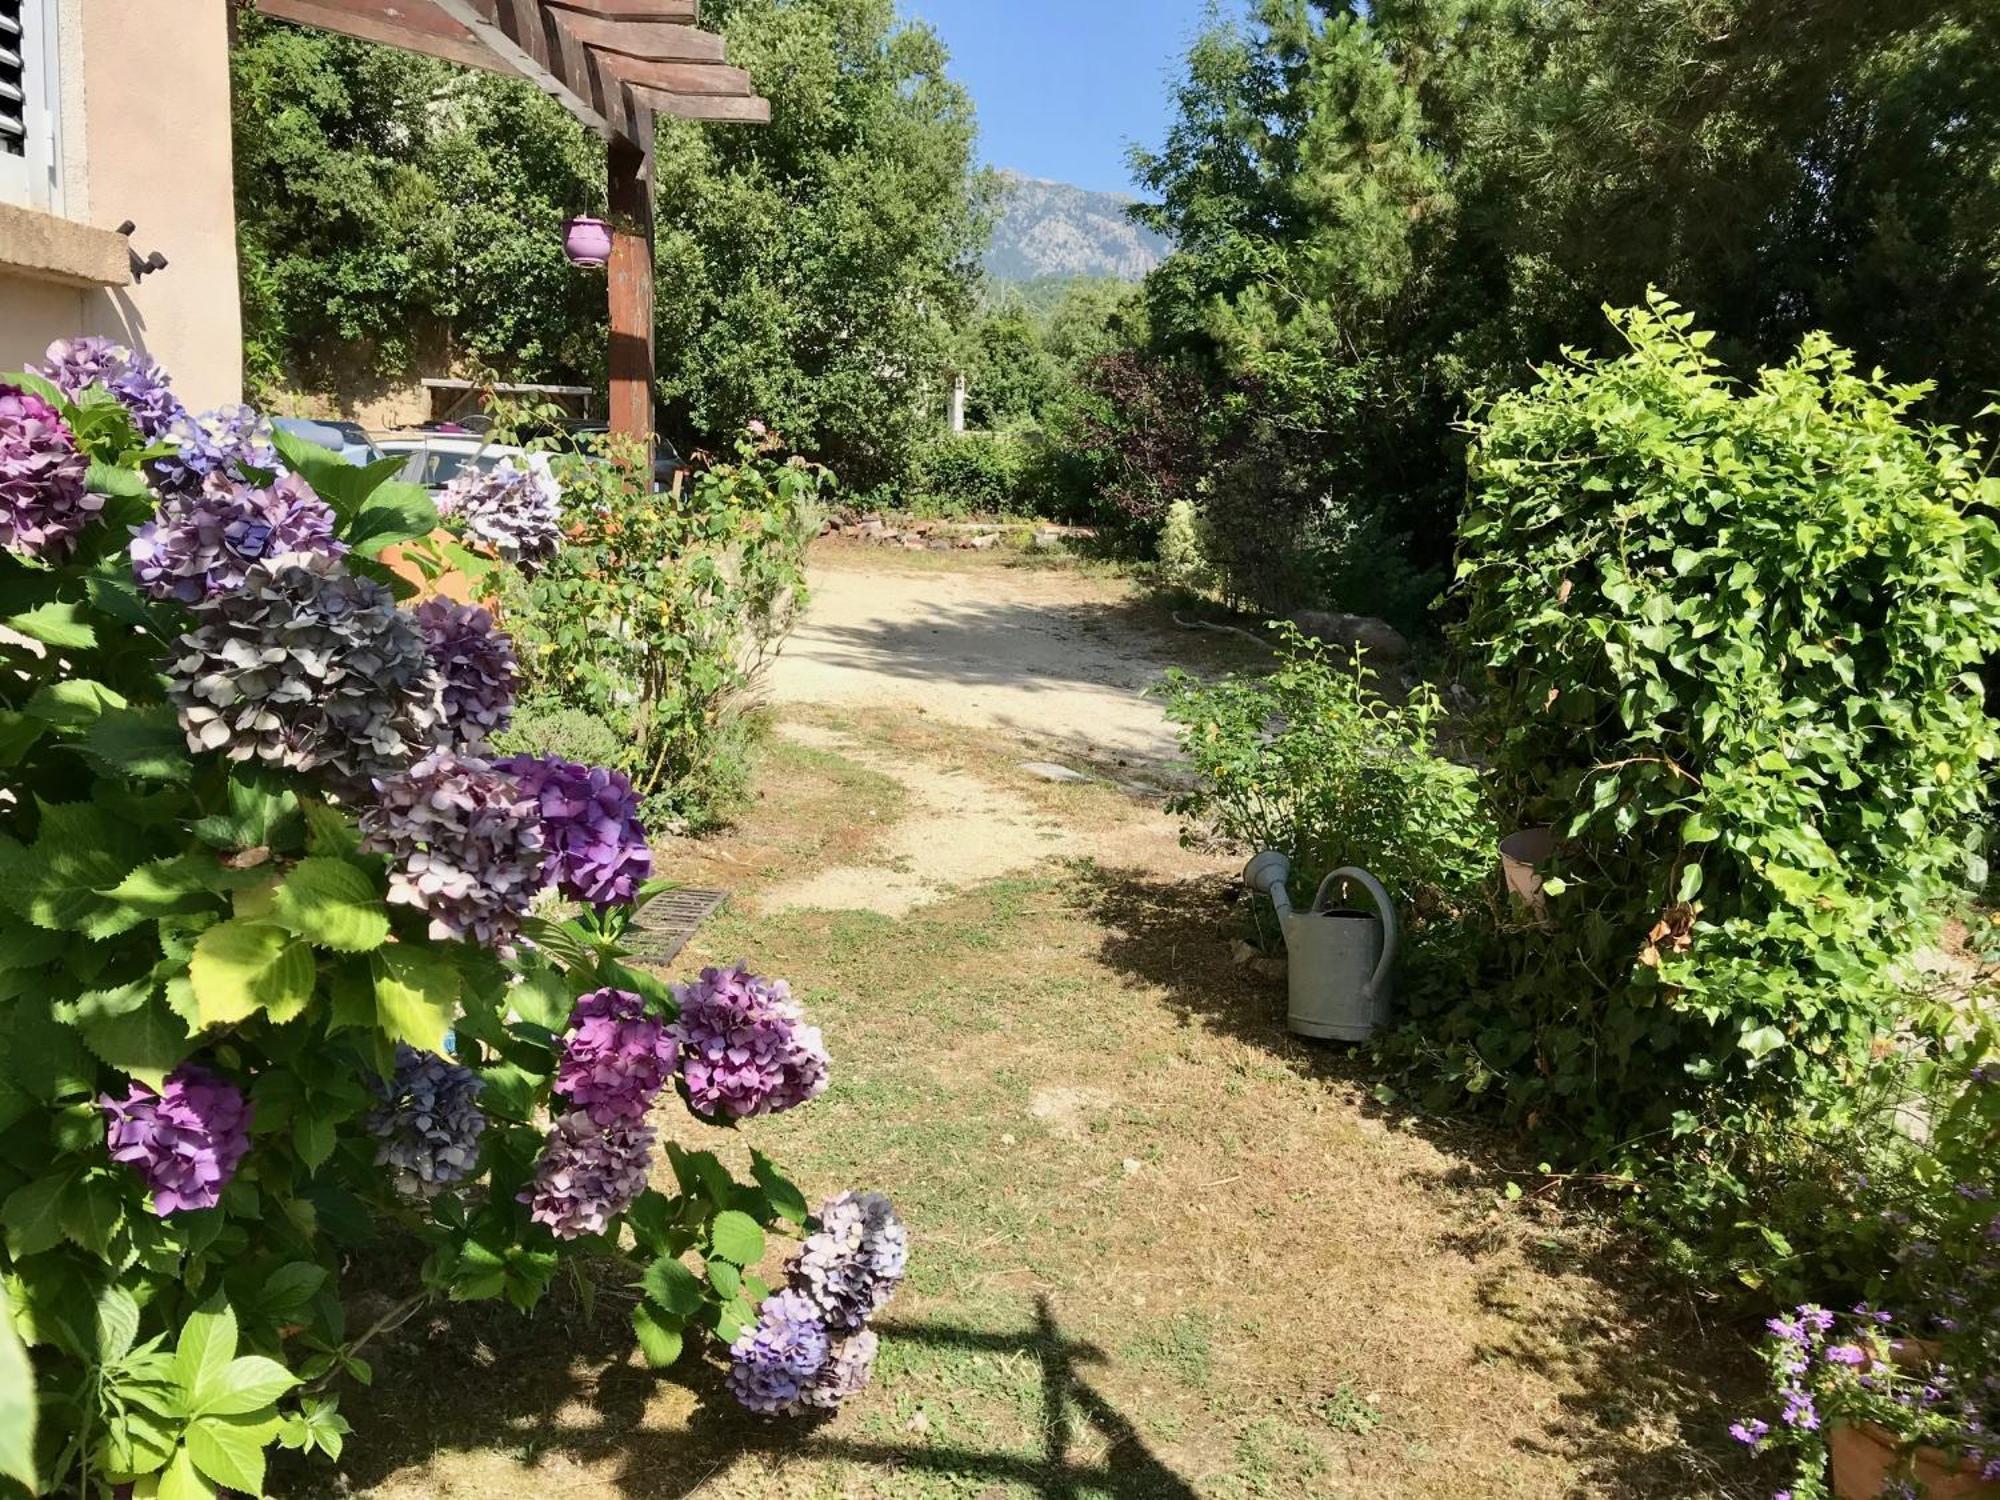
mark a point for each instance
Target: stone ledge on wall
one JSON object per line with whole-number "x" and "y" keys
{"x": 42, "y": 247}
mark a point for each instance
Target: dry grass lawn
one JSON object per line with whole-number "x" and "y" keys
{"x": 1161, "y": 1249}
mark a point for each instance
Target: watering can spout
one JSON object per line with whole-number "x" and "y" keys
{"x": 1266, "y": 874}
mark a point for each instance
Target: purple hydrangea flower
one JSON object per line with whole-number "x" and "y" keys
{"x": 186, "y": 1141}
{"x": 43, "y": 502}
{"x": 139, "y": 384}
{"x": 476, "y": 662}
{"x": 597, "y": 850}
{"x": 429, "y": 1122}
{"x": 845, "y": 1375}
{"x": 746, "y": 1048}
{"x": 588, "y": 1174}
{"x": 466, "y": 846}
{"x": 306, "y": 666}
{"x": 774, "y": 1364}
{"x": 851, "y": 1265}
{"x": 228, "y": 441}
{"x": 203, "y": 543}
{"x": 615, "y": 1057}
{"x": 518, "y": 512}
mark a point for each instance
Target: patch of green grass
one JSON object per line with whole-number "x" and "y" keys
{"x": 1346, "y": 1410}
{"x": 1182, "y": 1347}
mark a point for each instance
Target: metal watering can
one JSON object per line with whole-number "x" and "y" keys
{"x": 1340, "y": 961}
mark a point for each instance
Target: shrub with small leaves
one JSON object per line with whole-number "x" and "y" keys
{"x": 203, "y": 543}
{"x": 465, "y": 846}
{"x": 43, "y": 502}
{"x": 429, "y": 1122}
{"x": 745, "y": 1046}
{"x": 306, "y": 666}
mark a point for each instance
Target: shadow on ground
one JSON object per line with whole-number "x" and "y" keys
{"x": 1634, "y": 1351}
{"x": 567, "y": 1386}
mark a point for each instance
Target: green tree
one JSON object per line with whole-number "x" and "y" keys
{"x": 812, "y": 274}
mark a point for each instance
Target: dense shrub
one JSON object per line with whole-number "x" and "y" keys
{"x": 660, "y": 610}
{"x": 1310, "y": 760}
{"x": 972, "y": 473}
{"x": 1729, "y": 639}
{"x": 270, "y": 992}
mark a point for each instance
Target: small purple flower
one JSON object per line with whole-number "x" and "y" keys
{"x": 615, "y": 1057}
{"x": 429, "y": 1122}
{"x": 230, "y": 441}
{"x": 186, "y": 1141}
{"x": 588, "y": 1174}
{"x": 1750, "y": 1433}
{"x": 43, "y": 502}
{"x": 852, "y": 1263}
{"x": 203, "y": 543}
{"x": 476, "y": 662}
{"x": 597, "y": 849}
{"x": 1800, "y": 1412}
{"x": 746, "y": 1048}
{"x": 1789, "y": 1329}
{"x": 845, "y": 1375}
{"x": 1846, "y": 1354}
{"x": 139, "y": 384}
{"x": 466, "y": 846}
{"x": 774, "y": 1364}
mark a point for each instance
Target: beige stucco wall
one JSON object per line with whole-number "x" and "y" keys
{"x": 146, "y": 138}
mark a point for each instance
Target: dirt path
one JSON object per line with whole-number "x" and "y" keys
{"x": 1163, "y": 1251}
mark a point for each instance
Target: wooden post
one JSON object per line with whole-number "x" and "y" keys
{"x": 631, "y": 277}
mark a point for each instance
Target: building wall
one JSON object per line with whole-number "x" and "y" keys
{"x": 145, "y": 110}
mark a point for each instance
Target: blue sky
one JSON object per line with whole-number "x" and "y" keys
{"x": 1063, "y": 85}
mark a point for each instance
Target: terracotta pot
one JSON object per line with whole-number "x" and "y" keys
{"x": 1523, "y": 856}
{"x": 1867, "y": 1460}
{"x": 453, "y": 585}
{"x": 587, "y": 242}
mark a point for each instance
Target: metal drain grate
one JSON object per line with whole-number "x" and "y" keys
{"x": 669, "y": 920}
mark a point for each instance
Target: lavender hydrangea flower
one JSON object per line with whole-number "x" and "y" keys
{"x": 845, "y": 1375}
{"x": 776, "y": 1362}
{"x": 588, "y": 1174}
{"x": 186, "y": 1141}
{"x": 477, "y": 666}
{"x": 851, "y": 1265}
{"x": 228, "y": 441}
{"x": 43, "y": 502}
{"x": 615, "y": 1057}
{"x": 429, "y": 1122}
{"x": 466, "y": 847}
{"x": 746, "y": 1048}
{"x": 139, "y": 384}
{"x": 306, "y": 666}
{"x": 518, "y": 512}
{"x": 202, "y": 544}
{"x": 590, "y": 825}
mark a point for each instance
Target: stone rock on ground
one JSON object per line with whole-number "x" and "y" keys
{"x": 1382, "y": 642}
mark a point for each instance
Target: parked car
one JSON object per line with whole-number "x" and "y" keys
{"x": 667, "y": 461}
{"x": 437, "y": 458}
{"x": 349, "y": 439}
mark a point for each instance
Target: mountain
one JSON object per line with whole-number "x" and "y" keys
{"x": 1053, "y": 229}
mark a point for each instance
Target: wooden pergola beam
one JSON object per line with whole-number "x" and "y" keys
{"x": 716, "y": 109}
{"x": 639, "y": 10}
{"x": 414, "y": 28}
{"x": 711, "y": 79}
{"x": 534, "y": 44}
{"x": 658, "y": 41}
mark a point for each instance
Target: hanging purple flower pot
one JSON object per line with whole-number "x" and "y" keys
{"x": 587, "y": 242}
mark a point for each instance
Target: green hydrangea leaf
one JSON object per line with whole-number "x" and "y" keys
{"x": 17, "y": 1404}
{"x": 143, "y": 743}
{"x": 736, "y": 1237}
{"x": 416, "y": 994}
{"x": 658, "y": 1341}
{"x": 241, "y": 968}
{"x": 332, "y": 905}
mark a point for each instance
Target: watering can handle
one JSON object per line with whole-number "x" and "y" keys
{"x": 1382, "y": 903}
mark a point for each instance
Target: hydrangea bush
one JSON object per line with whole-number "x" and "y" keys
{"x": 269, "y": 986}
